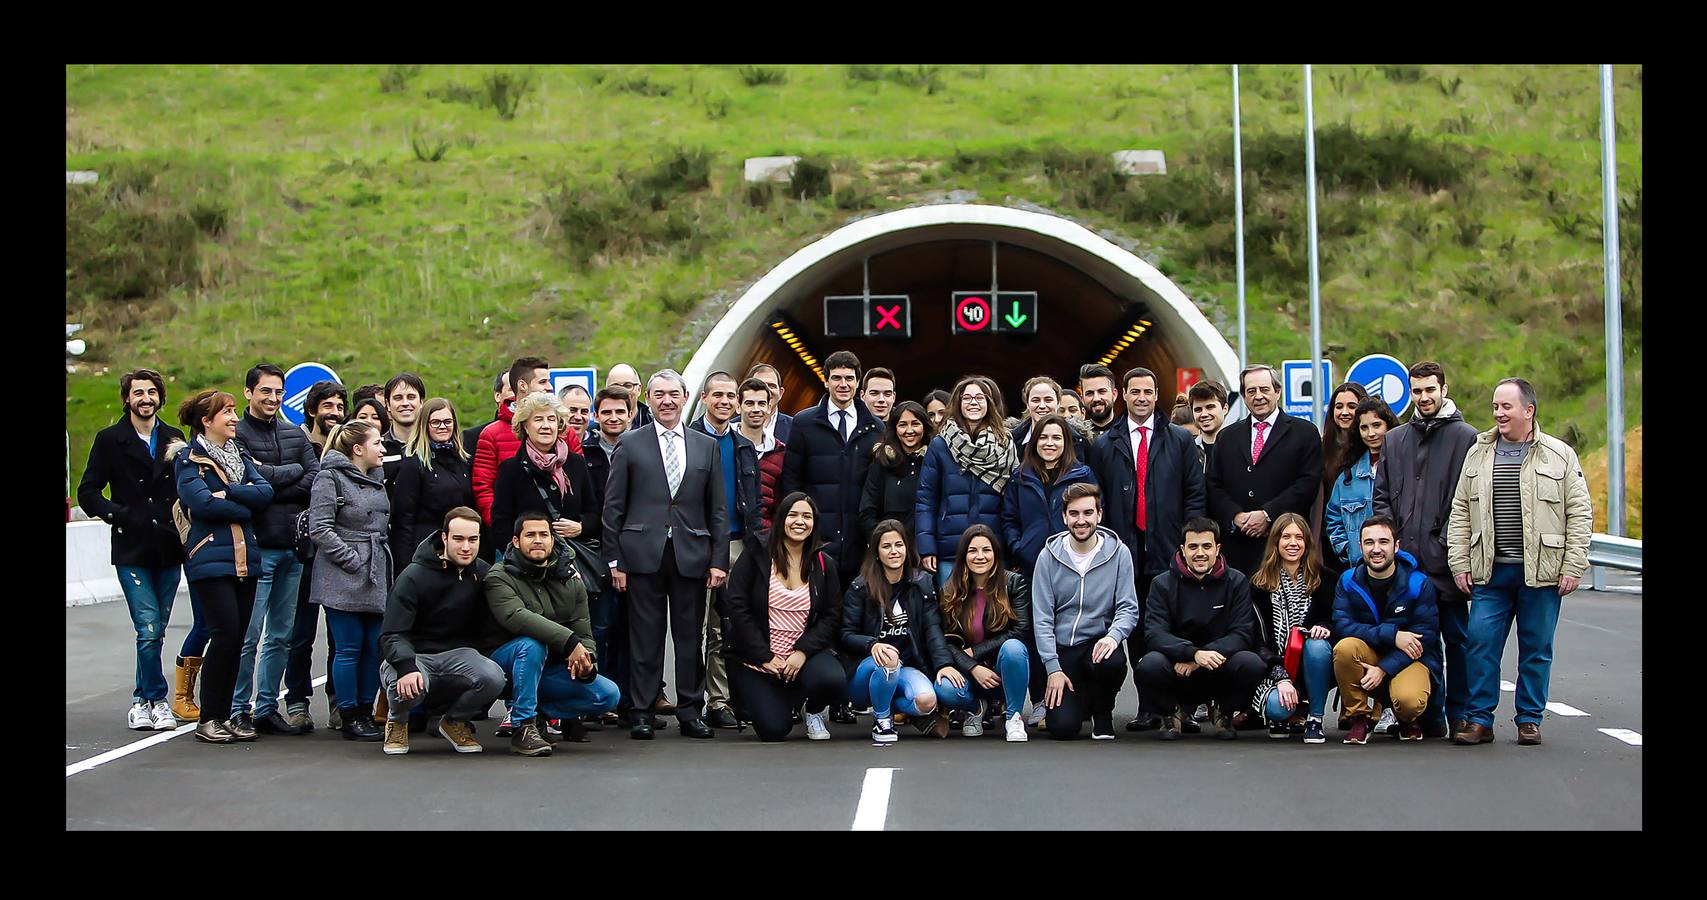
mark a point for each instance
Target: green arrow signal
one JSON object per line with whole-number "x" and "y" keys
{"x": 1015, "y": 318}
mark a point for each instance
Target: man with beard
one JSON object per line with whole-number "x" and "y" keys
{"x": 284, "y": 458}
{"x": 1420, "y": 464}
{"x": 1096, "y": 389}
{"x": 129, "y": 458}
{"x": 324, "y": 410}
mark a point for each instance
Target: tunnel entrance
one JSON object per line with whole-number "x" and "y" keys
{"x": 1095, "y": 301}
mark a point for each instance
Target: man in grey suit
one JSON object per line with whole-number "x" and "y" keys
{"x": 664, "y": 503}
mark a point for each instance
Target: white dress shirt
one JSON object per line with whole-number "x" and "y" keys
{"x": 836, "y": 412}
{"x": 681, "y": 433}
{"x": 1132, "y": 434}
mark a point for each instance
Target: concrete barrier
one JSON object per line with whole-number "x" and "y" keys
{"x": 89, "y": 574}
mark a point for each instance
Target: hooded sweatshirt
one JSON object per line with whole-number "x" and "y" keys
{"x": 546, "y": 602}
{"x": 1187, "y": 613}
{"x": 434, "y": 607}
{"x": 1068, "y": 609}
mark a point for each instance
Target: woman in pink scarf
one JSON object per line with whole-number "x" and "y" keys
{"x": 543, "y": 476}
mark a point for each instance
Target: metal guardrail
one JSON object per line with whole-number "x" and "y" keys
{"x": 1615, "y": 552}
{"x": 1608, "y": 552}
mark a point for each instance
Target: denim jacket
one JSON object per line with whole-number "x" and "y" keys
{"x": 1348, "y": 506}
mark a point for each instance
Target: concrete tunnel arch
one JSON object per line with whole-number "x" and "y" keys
{"x": 1089, "y": 291}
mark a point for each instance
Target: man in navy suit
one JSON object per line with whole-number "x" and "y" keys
{"x": 1264, "y": 465}
{"x": 666, "y": 540}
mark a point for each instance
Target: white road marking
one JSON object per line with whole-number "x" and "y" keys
{"x": 1592, "y": 627}
{"x": 1507, "y": 686}
{"x": 874, "y": 800}
{"x": 161, "y": 737}
{"x": 1632, "y": 738}
{"x": 1564, "y": 709}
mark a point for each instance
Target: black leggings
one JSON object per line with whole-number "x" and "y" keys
{"x": 770, "y": 703}
{"x": 1095, "y": 685}
{"x": 1230, "y": 686}
{"x": 226, "y": 603}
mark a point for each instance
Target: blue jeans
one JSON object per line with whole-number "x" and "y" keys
{"x": 1317, "y": 670}
{"x": 872, "y": 684}
{"x": 275, "y": 603}
{"x": 944, "y": 567}
{"x": 1493, "y": 606}
{"x": 1013, "y": 664}
{"x": 1450, "y": 704}
{"x": 537, "y": 688}
{"x": 355, "y": 662}
{"x": 149, "y": 594}
{"x": 195, "y": 643}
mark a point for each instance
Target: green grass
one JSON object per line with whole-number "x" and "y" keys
{"x": 574, "y": 230}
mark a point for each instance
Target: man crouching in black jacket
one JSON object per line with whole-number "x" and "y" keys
{"x": 1200, "y": 628}
{"x": 433, "y": 621}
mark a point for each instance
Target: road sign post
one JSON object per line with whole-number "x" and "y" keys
{"x": 1385, "y": 377}
{"x": 1300, "y": 388}
{"x": 297, "y": 381}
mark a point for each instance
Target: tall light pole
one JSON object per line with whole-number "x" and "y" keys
{"x": 1239, "y": 217}
{"x": 1614, "y": 314}
{"x": 1316, "y": 390}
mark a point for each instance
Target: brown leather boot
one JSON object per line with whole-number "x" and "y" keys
{"x": 1472, "y": 733}
{"x": 184, "y": 690}
{"x": 1529, "y": 733}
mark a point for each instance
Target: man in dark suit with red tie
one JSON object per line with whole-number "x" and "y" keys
{"x": 1264, "y": 465}
{"x": 1152, "y": 484}
{"x": 666, "y": 540}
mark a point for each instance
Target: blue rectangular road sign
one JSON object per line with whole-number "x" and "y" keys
{"x": 1296, "y": 386}
{"x": 585, "y": 376}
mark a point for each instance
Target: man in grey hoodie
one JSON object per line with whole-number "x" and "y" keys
{"x": 1083, "y": 607}
{"x": 1420, "y": 464}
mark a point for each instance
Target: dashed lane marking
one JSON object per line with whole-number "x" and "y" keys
{"x": 1564, "y": 709}
{"x": 874, "y": 800}
{"x": 1633, "y": 738}
{"x": 153, "y": 740}
{"x": 1507, "y": 686}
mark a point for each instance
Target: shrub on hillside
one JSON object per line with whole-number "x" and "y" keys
{"x": 505, "y": 90}
{"x": 395, "y": 79}
{"x": 643, "y": 211}
{"x": 753, "y": 76}
{"x": 133, "y": 237}
{"x": 811, "y": 178}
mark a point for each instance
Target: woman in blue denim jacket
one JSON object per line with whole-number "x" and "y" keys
{"x": 1354, "y": 489}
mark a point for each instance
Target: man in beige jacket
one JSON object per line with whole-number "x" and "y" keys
{"x": 1517, "y": 541}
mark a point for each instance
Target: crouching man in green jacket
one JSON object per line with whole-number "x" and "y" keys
{"x": 542, "y": 635}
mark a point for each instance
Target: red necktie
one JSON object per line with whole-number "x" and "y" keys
{"x": 1256, "y": 447}
{"x": 1143, "y": 466}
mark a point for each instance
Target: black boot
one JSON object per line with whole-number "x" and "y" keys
{"x": 360, "y": 726}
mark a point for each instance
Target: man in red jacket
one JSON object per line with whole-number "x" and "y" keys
{"x": 498, "y": 440}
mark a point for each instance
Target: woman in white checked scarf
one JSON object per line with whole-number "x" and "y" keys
{"x": 1290, "y": 591}
{"x": 966, "y": 469}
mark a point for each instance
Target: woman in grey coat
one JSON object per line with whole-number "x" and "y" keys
{"x": 348, "y": 519}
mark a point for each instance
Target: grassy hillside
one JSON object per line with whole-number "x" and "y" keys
{"x": 382, "y": 218}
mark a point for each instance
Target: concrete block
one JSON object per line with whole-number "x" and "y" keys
{"x": 81, "y": 177}
{"x": 1140, "y": 162}
{"x": 770, "y": 168}
{"x": 89, "y": 574}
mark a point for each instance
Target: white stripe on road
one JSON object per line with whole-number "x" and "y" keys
{"x": 154, "y": 740}
{"x": 1632, "y": 738}
{"x": 1507, "y": 686}
{"x": 874, "y": 800}
{"x": 1564, "y": 709}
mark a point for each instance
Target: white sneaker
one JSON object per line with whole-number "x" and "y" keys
{"x": 974, "y": 725}
{"x": 816, "y": 729}
{"x": 140, "y": 718}
{"x": 1016, "y": 729}
{"x": 161, "y": 716}
{"x": 1036, "y": 715}
{"x": 1386, "y": 722}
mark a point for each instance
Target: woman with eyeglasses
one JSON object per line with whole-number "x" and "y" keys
{"x": 435, "y": 477}
{"x": 966, "y": 469}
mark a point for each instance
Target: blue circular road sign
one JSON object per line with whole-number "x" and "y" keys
{"x": 298, "y": 380}
{"x": 1385, "y": 377}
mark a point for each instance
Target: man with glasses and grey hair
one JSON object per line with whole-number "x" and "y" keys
{"x": 1517, "y": 541}
{"x": 666, "y": 523}
{"x": 622, "y": 375}
{"x": 1264, "y": 465}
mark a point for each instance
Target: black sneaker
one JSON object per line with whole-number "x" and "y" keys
{"x": 1279, "y": 731}
{"x": 1102, "y": 727}
{"x": 884, "y": 732}
{"x": 1313, "y": 732}
{"x": 273, "y": 723}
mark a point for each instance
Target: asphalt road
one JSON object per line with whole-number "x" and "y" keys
{"x": 1580, "y": 779}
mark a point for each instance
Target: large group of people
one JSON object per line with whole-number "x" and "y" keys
{"x": 930, "y": 562}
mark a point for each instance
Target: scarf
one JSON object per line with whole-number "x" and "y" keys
{"x": 441, "y": 445}
{"x": 553, "y": 464}
{"x": 990, "y": 458}
{"x": 1290, "y": 604}
{"x": 228, "y": 457}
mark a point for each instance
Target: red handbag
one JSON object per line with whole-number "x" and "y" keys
{"x": 1294, "y": 651}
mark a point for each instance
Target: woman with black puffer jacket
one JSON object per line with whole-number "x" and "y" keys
{"x": 892, "y": 624}
{"x": 435, "y": 477}
{"x": 892, "y": 481}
